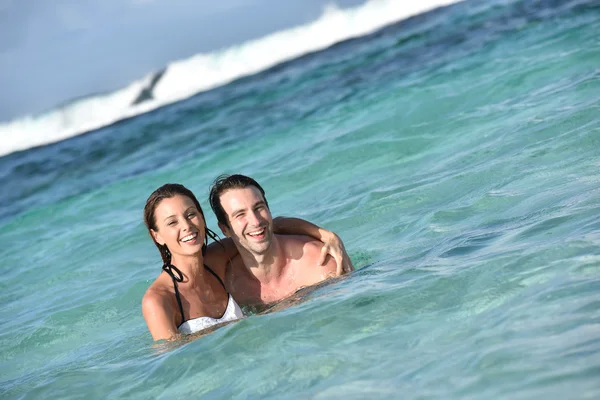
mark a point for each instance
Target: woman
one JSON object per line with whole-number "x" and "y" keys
{"x": 189, "y": 295}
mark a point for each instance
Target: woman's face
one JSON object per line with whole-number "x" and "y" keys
{"x": 179, "y": 225}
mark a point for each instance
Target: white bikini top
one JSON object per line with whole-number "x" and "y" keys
{"x": 232, "y": 312}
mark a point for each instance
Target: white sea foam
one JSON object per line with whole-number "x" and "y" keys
{"x": 185, "y": 78}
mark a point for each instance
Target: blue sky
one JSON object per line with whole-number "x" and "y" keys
{"x": 54, "y": 51}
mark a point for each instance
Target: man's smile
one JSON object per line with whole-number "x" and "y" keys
{"x": 258, "y": 233}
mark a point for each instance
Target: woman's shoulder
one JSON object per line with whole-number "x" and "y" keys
{"x": 158, "y": 294}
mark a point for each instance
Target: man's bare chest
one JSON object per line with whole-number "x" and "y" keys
{"x": 247, "y": 289}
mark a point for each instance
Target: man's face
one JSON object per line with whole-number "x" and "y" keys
{"x": 250, "y": 221}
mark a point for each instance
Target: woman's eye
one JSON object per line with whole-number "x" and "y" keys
{"x": 191, "y": 215}
{"x": 170, "y": 223}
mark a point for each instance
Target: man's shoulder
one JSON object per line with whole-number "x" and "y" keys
{"x": 299, "y": 240}
{"x": 217, "y": 259}
{"x": 304, "y": 252}
{"x": 310, "y": 246}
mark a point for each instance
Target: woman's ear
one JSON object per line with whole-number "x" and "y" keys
{"x": 157, "y": 238}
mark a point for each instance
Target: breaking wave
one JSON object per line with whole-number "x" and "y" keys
{"x": 184, "y": 78}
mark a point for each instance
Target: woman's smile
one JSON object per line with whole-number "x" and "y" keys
{"x": 191, "y": 239}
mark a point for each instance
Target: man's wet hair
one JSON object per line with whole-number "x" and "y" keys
{"x": 224, "y": 183}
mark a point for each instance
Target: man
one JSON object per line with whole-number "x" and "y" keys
{"x": 269, "y": 267}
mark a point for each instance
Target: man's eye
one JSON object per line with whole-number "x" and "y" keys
{"x": 171, "y": 223}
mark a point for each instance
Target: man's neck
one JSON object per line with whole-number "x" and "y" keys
{"x": 268, "y": 266}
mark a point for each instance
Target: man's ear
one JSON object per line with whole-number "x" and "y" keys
{"x": 225, "y": 229}
{"x": 157, "y": 238}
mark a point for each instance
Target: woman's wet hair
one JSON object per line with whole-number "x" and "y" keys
{"x": 224, "y": 183}
{"x": 168, "y": 191}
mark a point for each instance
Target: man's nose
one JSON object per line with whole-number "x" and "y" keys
{"x": 254, "y": 218}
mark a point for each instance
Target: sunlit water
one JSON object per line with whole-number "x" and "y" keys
{"x": 456, "y": 153}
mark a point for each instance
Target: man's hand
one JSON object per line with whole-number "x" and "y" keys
{"x": 334, "y": 246}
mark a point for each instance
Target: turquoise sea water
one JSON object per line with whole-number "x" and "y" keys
{"x": 456, "y": 153}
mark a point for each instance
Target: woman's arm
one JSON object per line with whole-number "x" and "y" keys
{"x": 160, "y": 324}
{"x": 333, "y": 243}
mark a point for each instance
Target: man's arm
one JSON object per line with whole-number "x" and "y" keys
{"x": 226, "y": 250}
{"x": 223, "y": 248}
{"x": 332, "y": 243}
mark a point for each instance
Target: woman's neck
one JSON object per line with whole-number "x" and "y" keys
{"x": 192, "y": 267}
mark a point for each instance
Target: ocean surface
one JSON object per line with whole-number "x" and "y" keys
{"x": 457, "y": 154}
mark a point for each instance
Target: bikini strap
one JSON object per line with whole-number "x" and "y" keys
{"x": 216, "y": 276}
{"x": 171, "y": 270}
